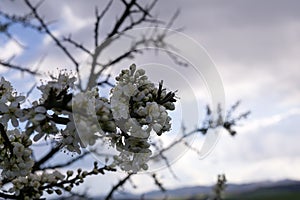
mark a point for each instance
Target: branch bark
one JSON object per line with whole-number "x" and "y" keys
{"x": 115, "y": 188}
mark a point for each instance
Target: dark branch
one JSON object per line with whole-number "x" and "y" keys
{"x": 16, "y": 67}
{"x": 8, "y": 196}
{"x": 23, "y": 20}
{"x": 106, "y": 82}
{"x": 209, "y": 123}
{"x": 7, "y": 143}
{"x": 98, "y": 19}
{"x": 158, "y": 183}
{"x": 47, "y": 30}
{"x": 127, "y": 54}
{"x": 77, "y": 45}
{"x": 122, "y": 19}
{"x": 49, "y": 155}
{"x": 121, "y": 183}
{"x": 78, "y": 177}
{"x": 145, "y": 12}
{"x": 67, "y": 163}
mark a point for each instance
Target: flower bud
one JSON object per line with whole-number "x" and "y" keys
{"x": 69, "y": 172}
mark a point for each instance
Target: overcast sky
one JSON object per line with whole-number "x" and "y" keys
{"x": 255, "y": 46}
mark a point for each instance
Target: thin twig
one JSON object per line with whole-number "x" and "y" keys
{"x": 158, "y": 183}
{"x": 98, "y": 19}
{"x": 114, "y": 188}
{"x": 49, "y": 155}
{"x": 77, "y": 45}
{"x": 16, "y": 67}
{"x": 48, "y": 32}
{"x": 67, "y": 163}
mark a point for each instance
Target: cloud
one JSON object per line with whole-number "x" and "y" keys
{"x": 257, "y": 124}
{"x": 10, "y": 48}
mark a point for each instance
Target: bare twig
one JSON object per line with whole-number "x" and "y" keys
{"x": 122, "y": 19}
{"x": 24, "y": 20}
{"x": 106, "y": 82}
{"x": 77, "y": 45}
{"x": 67, "y": 163}
{"x": 158, "y": 183}
{"x": 98, "y": 19}
{"x": 16, "y": 67}
{"x": 165, "y": 159}
{"x": 114, "y": 188}
{"x": 47, "y": 30}
{"x": 208, "y": 124}
{"x": 49, "y": 155}
{"x": 54, "y": 38}
{"x": 30, "y": 90}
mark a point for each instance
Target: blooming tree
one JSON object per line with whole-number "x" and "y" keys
{"x": 133, "y": 95}
{"x": 136, "y": 109}
{"x": 73, "y": 118}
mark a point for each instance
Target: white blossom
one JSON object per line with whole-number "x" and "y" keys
{"x": 137, "y": 112}
{"x": 9, "y": 104}
{"x": 63, "y": 81}
{"x": 133, "y": 112}
{"x": 20, "y": 162}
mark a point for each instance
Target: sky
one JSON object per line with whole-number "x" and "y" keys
{"x": 254, "y": 46}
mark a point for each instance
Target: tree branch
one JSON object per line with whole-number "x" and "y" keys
{"x": 8, "y": 196}
{"x": 95, "y": 171}
{"x": 47, "y": 30}
{"x": 16, "y": 67}
{"x": 98, "y": 19}
{"x": 158, "y": 183}
{"x": 44, "y": 159}
{"x": 77, "y": 45}
{"x": 7, "y": 143}
{"x": 67, "y": 163}
{"x": 106, "y": 82}
{"x": 122, "y": 19}
{"x": 114, "y": 188}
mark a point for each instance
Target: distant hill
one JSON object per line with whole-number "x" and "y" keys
{"x": 281, "y": 190}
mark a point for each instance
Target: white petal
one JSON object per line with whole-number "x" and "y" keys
{"x": 18, "y": 113}
{"x": 40, "y": 109}
{"x": 156, "y": 127}
{"x": 19, "y": 98}
{"x": 38, "y": 137}
{"x": 3, "y": 108}
{"x": 14, "y": 121}
{"x": 39, "y": 117}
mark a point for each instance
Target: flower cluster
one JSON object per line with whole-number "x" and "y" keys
{"x": 138, "y": 108}
{"x": 137, "y": 100}
{"x": 135, "y": 109}
{"x": 69, "y": 137}
{"x": 38, "y": 120}
{"x": 15, "y": 155}
{"x": 130, "y": 162}
{"x": 92, "y": 116}
{"x": 33, "y": 185}
{"x": 9, "y": 104}
{"x": 58, "y": 85}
